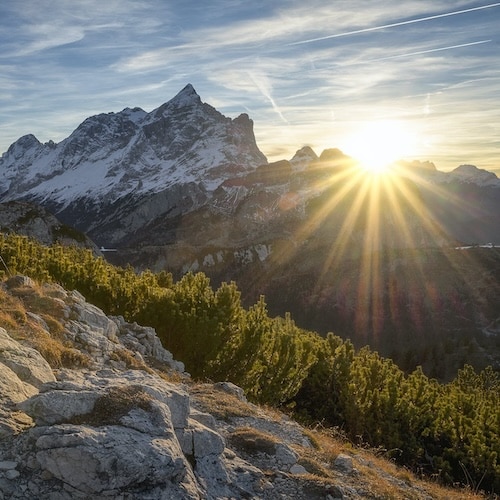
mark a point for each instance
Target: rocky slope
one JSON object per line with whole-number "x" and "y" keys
{"x": 94, "y": 407}
{"x": 35, "y": 222}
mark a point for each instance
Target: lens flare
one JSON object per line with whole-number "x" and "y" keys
{"x": 358, "y": 224}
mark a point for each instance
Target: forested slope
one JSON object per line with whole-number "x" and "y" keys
{"x": 445, "y": 429}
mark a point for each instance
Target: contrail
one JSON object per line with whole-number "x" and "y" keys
{"x": 267, "y": 94}
{"x": 409, "y": 54}
{"x": 401, "y": 23}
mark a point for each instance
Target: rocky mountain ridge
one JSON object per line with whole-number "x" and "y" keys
{"x": 106, "y": 169}
{"x": 184, "y": 188}
{"x": 35, "y": 222}
{"x": 117, "y": 417}
{"x": 122, "y": 177}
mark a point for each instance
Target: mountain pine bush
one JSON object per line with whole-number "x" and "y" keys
{"x": 446, "y": 429}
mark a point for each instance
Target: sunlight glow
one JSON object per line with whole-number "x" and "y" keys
{"x": 371, "y": 217}
{"x": 379, "y": 143}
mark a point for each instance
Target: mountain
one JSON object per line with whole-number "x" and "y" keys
{"x": 184, "y": 188}
{"x": 35, "y": 222}
{"x": 117, "y": 171}
{"x": 187, "y": 177}
{"x": 464, "y": 202}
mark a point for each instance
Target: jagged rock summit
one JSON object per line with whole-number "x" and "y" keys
{"x": 132, "y": 165}
{"x": 134, "y": 180}
{"x": 478, "y": 176}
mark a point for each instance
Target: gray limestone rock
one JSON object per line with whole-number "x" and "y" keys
{"x": 25, "y": 362}
{"x": 12, "y": 388}
{"x": 344, "y": 463}
{"x": 232, "y": 389}
{"x": 56, "y": 407}
{"x": 99, "y": 460}
{"x": 285, "y": 456}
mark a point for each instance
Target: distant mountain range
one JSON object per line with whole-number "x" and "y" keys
{"x": 185, "y": 188}
{"x": 119, "y": 176}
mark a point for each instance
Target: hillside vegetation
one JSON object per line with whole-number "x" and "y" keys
{"x": 450, "y": 430}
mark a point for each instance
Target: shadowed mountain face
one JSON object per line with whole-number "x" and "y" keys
{"x": 35, "y": 222}
{"x": 117, "y": 171}
{"x": 184, "y": 188}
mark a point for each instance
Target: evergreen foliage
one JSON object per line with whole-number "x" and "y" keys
{"x": 446, "y": 429}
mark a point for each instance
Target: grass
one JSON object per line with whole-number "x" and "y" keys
{"x": 253, "y": 441}
{"x": 378, "y": 476}
{"x": 375, "y": 475}
{"x": 51, "y": 344}
{"x": 124, "y": 356}
{"x": 220, "y": 404}
{"x": 115, "y": 404}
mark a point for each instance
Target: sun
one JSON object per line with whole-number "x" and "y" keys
{"x": 378, "y": 144}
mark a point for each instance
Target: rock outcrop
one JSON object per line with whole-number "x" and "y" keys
{"x": 37, "y": 223}
{"x": 119, "y": 171}
{"x": 107, "y": 431}
{"x": 114, "y": 427}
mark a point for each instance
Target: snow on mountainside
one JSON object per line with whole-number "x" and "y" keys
{"x": 474, "y": 175}
{"x": 113, "y": 155}
{"x": 185, "y": 173}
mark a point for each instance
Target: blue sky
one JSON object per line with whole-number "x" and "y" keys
{"x": 324, "y": 73}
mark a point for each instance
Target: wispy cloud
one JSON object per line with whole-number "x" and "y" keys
{"x": 307, "y": 73}
{"x": 263, "y": 85}
{"x": 397, "y": 24}
{"x": 429, "y": 51}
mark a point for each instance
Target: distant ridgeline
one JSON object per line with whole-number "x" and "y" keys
{"x": 445, "y": 429}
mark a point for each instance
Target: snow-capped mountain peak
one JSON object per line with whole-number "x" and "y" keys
{"x": 184, "y": 148}
{"x": 186, "y": 97}
{"x": 114, "y": 154}
{"x": 474, "y": 175}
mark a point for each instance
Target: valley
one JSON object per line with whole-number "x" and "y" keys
{"x": 370, "y": 258}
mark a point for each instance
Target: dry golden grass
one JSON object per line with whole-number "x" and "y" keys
{"x": 114, "y": 404}
{"x": 253, "y": 441}
{"x": 219, "y": 403}
{"x": 39, "y": 300}
{"x": 376, "y": 475}
{"x": 55, "y": 351}
{"x": 8, "y": 320}
{"x": 12, "y": 311}
{"x": 52, "y": 344}
{"x": 131, "y": 362}
{"x": 166, "y": 373}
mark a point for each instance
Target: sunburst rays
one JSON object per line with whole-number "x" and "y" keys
{"x": 366, "y": 219}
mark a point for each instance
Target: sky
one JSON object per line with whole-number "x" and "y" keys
{"x": 417, "y": 78}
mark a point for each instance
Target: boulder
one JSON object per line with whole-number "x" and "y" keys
{"x": 19, "y": 281}
{"x": 12, "y": 388}
{"x": 55, "y": 407}
{"x": 91, "y": 315}
{"x": 344, "y": 463}
{"x": 27, "y": 363}
{"x": 112, "y": 459}
{"x": 232, "y": 389}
